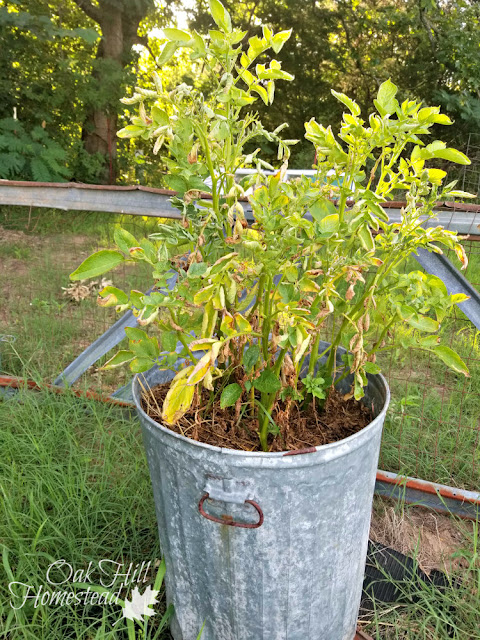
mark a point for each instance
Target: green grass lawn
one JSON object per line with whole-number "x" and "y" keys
{"x": 74, "y": 485}
{"x": 433, "y": 426}
{"x": 428, "y": 613}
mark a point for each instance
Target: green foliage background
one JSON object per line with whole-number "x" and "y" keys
{"x": 53, "y": 73}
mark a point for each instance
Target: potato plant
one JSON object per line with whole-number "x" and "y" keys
{"x": 250, "y": 303}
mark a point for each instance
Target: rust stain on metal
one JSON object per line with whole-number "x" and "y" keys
{"x": 82, "y": 185}
{"x": 300, "y": 451}
{"x": 428, "y": 487}
{"x": 360, "y": 635}
{"x": 20, "y": 383}
{"x": 228, "y": 520}
{"x": 462, "y": 206}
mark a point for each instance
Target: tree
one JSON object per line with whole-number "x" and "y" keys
{"x": 64, "y": 66}
{"x": 47, "y": 49}
{"x": 119, "y": 21}
{"x": 453, "y": 29}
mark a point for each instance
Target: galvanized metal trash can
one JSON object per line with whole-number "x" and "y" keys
{"x": 264, "y": 546}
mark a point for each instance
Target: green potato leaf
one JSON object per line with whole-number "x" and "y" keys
{"x": 97, "y": 264}
{"x": 267, "y": 382}
{"x": 230, "y": 395}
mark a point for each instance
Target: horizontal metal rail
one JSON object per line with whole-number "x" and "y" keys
{"x": 148, "y": 201}
{"x": 439, "y": 497}
{"x": 14, "y": 383}
{"x": 71, "y": 196}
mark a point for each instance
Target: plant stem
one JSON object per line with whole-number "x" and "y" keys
{"x": 268, "y": 400}
{"x": 382, "y": 336}
{"x": 341, "y": 206}
{"x": 266, "y": 318}
{"x": 261, "y": 284}
{"x": 314, "y": 354}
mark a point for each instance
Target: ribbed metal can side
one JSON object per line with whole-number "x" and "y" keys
{"x": 299, "y": 575}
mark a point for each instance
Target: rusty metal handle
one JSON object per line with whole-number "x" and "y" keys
{"x": 228, "y": 520}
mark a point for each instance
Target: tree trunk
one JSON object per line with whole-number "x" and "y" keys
{"x": 100, "y": 126}
{"x": 119, "y": 33}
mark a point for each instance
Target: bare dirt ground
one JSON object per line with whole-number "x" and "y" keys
{"x": 34, "y": 284}
{"x": 431, "y": 537}
{"x": 11, "y": 268}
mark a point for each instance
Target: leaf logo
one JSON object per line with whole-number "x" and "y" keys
{"x": 140, "y": 604}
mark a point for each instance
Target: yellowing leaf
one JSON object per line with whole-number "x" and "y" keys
{"x": 436, "y": 176}
{"x": 262, "y": 92}
{"x": 111, "y": 296}
{"x": 121, "y": 357}
{"x": 329, "y": 224}
{"x": 279, "y": 39}
{"x": 348, "y": 102}
{"x": 167, "y": 53}
{"x": 458, "y": 298}
{"x": 306, "y": 284}
{"x": 204, "y": 294}
{"x": 200, "y": 370}
{"x": 271, "y": 90}
{"x": 453, "y": 155}
{"x": 138, "y": 365}
{"x": 386, "y": 102}
{"x": 366, "y": 238}
{"x": 423, "y": 323}
{"x": 451, "y": 359}
{"x": 179, "y": 397}
{"x": 227, "y": 326}
{"x": 441, "y": 118}
{"x": 201, "y": 345}
{"x": 219, "y": 299}
{"x": 461, "y": 194}
{"x": 220, "y": 15}
{"x": 130, "y": 131}
{"x": 209, "y": 321}
{"x": 461, "y": 255}
{"x": 242, "y": 324}
{"x": 303, "y": 347}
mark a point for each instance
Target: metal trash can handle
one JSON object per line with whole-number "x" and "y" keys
{"x": 228, "y": 520}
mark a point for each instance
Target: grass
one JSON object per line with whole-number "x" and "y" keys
{"x": 432, "y": 428}
{"x": 18, "y": 252}
{"x": 74, "y": 485}
{"x": 430, "y": 613}
{"x": 50, "y": 328}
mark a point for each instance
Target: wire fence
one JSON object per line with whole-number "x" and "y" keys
{"x": 433, "y": 426}
{"x": 470, "y": 175}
